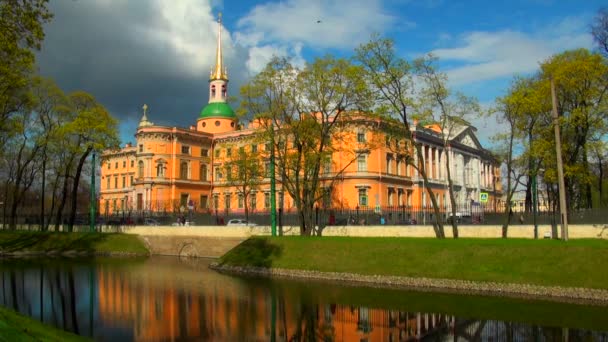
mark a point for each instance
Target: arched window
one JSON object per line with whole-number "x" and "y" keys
{"x": 160, "y": 168}
{"x": 212, "y": 90}
{"x": 223, "y": 91}
{"x": 203, "y": 172}
{"x": 183, "y": 170}
{"x": 140, "y": 169}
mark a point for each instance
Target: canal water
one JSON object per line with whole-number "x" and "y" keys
{"x": 172, "y": 299}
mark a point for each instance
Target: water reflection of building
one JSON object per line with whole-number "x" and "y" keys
{"x": 164, "y": 310}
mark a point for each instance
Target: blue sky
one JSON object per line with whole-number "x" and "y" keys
{"x": 160, "y": 52}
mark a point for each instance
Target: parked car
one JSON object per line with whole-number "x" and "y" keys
{"x": 151, "y": 222}
{"x": 240, "y": 222}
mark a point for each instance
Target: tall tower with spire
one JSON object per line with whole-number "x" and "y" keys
{"x": 217, "y": 116}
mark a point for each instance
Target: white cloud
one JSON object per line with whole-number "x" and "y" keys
{"x": 283, "y": 28}
{"x": 491, "y": 55}
{"x": 189, "y": 29}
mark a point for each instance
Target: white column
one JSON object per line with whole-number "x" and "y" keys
{"x": 436, "y": 163}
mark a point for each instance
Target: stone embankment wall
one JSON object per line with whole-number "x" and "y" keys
{"x": 215, "y": 241}
{"x": 465, "y": 231}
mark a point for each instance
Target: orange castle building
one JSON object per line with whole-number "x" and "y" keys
{"x": 171, "y": 168}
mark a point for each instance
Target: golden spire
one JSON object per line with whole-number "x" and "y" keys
{"x": 219, "y": 72}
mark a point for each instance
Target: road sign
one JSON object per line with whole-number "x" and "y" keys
{"x": 483, "y": 197}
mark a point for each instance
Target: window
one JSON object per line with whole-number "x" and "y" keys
{"x": 131, "y": 181}
{"x": 213, "y": 90}
{"x": 217, "y": 153}
{"x": 240, "y": 204}
{"x": 109, "y": 165}
{"x": 326, "y": 197}
{"x": 114, "y": 205}
{"x": 183, "y": 170}
{"x": 218, "y": 173}
{"x": 160, "y": 169}
{"x": 267, "y": 169}
{"x": 203, "y": 175}
{"x": 254, "y": 148}
{"x": 266, "y": 200}
{"x": 363, "y": 197}
{"x": 229, "y": 172}
{"x": 116, "y": 165}
{"x": 362, "y": 162}
{"x": 361, "y": 136}
{"x": 132, "y": 163}
{"x": 398, "y": 167}
{"x": 140, "y": 169}
{"x": 115, "y": 182}
{"x": 216, "y": 201}
{"x": 141, "y": 147}
{"x": 228, "y": 152}
{"x": 400, "y": 197}
{"x": 241, "y": 150}
{"x": 108, "y": 183}
{"x": 391, "y": 192}
{"x": 124, "y": 163}
{"x": 203, "y": 203}
{"x": 185, "y": 149}
{"x": 253, "y": 201}
{"x": 124, "y": 181}
{"x": 327, "y": 166}
{"x": 204, "y": 152}
{"x": 227, "y": 200}
{"x": 122, "y": 204}
{"x": 389, "y": 163}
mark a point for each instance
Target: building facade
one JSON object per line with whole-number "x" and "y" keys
{"x": 172, "y": 169}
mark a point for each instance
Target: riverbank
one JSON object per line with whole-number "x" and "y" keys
{"x": 25, "y": 243}
{"x": 513, "y": 267}
{"x": 16, "y": 327}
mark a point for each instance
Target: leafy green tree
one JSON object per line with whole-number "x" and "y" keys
{"x": 449, "y": 112}
{"x": 392, "y": 78}
{"x": 244, "y": 171}
{"x": 21, "y": 31}
{"x": 306, "y": 114}
{"x": 91, "y": 127}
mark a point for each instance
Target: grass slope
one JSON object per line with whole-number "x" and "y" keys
{"x": 16, "y": 327}
{"x": 20, "y": 241}
{"x": 577, "y": 263}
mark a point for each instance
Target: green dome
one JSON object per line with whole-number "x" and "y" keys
{"x": 218, "y": 109}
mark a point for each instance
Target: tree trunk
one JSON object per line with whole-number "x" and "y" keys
{"x": 72, "y": 218}
{"x": 438, "y": 224}
{"x": 64, "y": 197}
{"x": 451, "y": 194}
{"x": 42, "y": 225}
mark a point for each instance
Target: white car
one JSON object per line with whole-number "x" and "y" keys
{"x": 240, "y": 222}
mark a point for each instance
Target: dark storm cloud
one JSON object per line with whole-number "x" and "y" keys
{"x": 104, "y": 50}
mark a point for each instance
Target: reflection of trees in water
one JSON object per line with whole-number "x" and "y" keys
{"x": 232, "y": 309}
{"x": 49, "y": 295}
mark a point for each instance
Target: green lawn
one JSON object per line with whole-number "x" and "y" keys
{"x": 20, "y": 241}
{"x": 577, "y": 263}
{"x": 16, "y": 327}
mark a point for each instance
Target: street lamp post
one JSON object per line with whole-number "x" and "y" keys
{"x": 534, "y": 204}
{"x": 92, "y": 212}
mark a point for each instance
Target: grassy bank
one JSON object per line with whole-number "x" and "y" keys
{"x": 93, "y": 243}
{"x": 16, "y": 327}
{"x": 577, "y": 263}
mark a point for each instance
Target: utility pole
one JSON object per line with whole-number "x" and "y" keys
{"x": 560, "y": 168}
{"x": 93, "y": 197}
